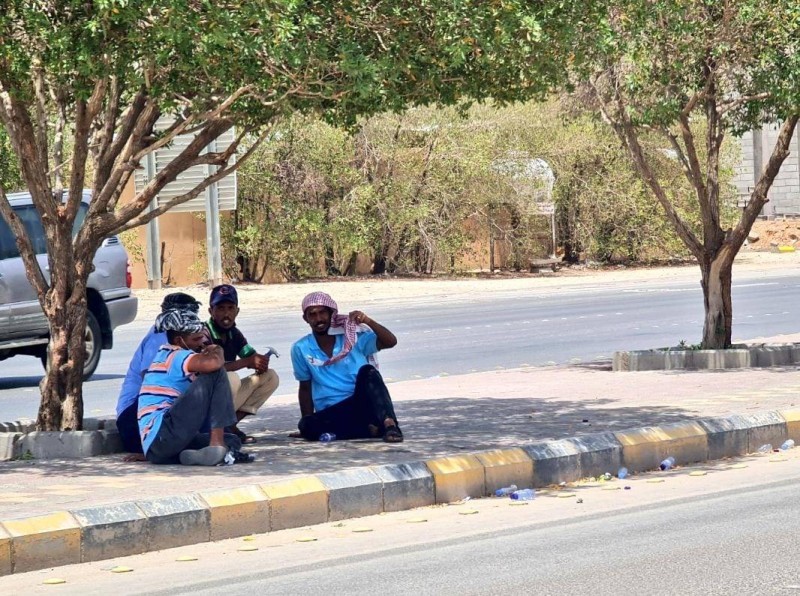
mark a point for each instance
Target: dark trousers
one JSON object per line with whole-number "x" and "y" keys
{"x": 207, "y": 398}
{"x": 351, "y": 418}
{"x": 128, "y": 428}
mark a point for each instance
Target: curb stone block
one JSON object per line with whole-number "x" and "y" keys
{"x": 771, "y": 355}
{"x": 554, "y": 462}
{"x": 5, "y": 552}
{"x": 764, "y": 427}
{"x": 792, "y": 418}
{"x": 111, "y": 442}
{"x": 295, "y": 503}
{"x": 598, "y": 453}
{"x": 457, "y": 477}
{"x": 175, "y": 521}
{"x": 111, "y": 531}
{"x": 44, "y": 541}
{"x": 720, "y": 359}
{"x": 353, "y": 493}
{"x": 62, "y": 444}
{"x": 9, "y": 445}
{"x": 727, "y": 436}
{"x": 645, "y": 448}
{"x": 406, "y": 486}
{"x": 237, "y": 512}
{"x": 504, "y": 467}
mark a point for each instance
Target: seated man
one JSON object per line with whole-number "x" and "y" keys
{"x": 249, "y": 393}
{"x": 341, "y": 392}
{"x": 184, "y": 386}
{"x": 127, "y": 405}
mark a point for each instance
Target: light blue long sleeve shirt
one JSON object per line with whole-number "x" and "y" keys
{"x": 142, "y": 359}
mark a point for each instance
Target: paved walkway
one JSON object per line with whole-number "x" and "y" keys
{"x": 439, "y": 416}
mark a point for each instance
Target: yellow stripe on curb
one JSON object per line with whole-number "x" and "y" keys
{"x": 237, "y": 512}
{"x": 504, "y": 467}
{"x": 5, "y": 552}
{"x": 55, "y": 538}
{"x": 645, "y": 448}
{"x": 298, "y": 502}
{"x": 792, "y": 418}
{"x": 457, "y": 477}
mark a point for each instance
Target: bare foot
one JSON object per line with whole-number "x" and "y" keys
{"x": 392, "y": 433}
{"x": 132, "y": 457}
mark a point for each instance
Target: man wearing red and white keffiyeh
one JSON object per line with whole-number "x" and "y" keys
{"x": 341, "y": 391}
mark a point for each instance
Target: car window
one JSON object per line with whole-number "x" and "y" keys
{"x": 33, "y": 224}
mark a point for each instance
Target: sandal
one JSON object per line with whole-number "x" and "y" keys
{"x": 244, "y": 438}
{"x": 393, "y": 434}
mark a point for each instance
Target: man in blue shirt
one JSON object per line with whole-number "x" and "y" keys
{"x": 185, "y": 386}
{"x": 341, "y": 392}
{"x": 127, "y": 424}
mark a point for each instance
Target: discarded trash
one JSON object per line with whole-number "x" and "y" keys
{"x": 622, "y": 473}
{"x": 562, "y": 484}
{"x": 307, "y": 539}
{"x": 121, "y": 569}
{"x": 787, "y": 444}
{"x": 526, "y": 494}
{"x": 505, "y": 491}
{"x": 607, "y": 476}
{"x": 667, "y": 463}
{"x": 627, "y": 487}
{"x": 579, "y": 501}
{"x": 765, "y": 448}
{"x": 327, "y": 437}
{"x": 54, "y": 581}
{"x": 186, "y": 559}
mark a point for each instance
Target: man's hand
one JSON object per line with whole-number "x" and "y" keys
{"x": 212, "y": 350}
{"x": 258, "y": 362}
{"x": 359, "y": 317}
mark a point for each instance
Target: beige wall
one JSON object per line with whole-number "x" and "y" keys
{"x": 183, "y": 255}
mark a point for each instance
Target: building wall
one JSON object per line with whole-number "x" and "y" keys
{"x": 756, "y": 147}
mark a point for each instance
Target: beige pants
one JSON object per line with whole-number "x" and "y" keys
{"x": 250, "y": 393}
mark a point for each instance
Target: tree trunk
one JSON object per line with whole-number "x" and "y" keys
{"x": 61, "y": 407}
{"x": 716, "y": 282}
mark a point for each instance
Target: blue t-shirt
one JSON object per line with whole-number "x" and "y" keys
{"x": 142, "y": 358}
{"x": 335, "y": 382}
{"x": 166, "y": 379}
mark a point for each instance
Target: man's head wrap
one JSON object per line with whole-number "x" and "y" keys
{"x": 337, "y": 321}
{"x": 180, "y": 301}
{"x": 180, "y": 321}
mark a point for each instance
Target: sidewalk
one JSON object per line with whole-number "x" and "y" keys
{"x": 440, "y": 416}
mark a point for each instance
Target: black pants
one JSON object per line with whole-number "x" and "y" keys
{"x": 128, "y": 428}
{"x": 207, "y": 398}
{"x": 351, "y": 418}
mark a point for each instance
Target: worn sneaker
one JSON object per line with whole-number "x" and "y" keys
{"x": 207, "y": 456}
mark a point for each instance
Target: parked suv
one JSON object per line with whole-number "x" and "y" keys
{"x": 23, "y": 326}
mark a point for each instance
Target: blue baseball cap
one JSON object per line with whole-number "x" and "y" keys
{"x": 224, "y": 293}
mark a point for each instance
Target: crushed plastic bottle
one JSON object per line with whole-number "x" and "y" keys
{"x": 622, "y": 473}
{"x": 505, "y": 491}
{"x": 787, "y": 444}
{"x": 667, "y": 463}
{"x": 765, "y": 448}
{"x": 607, "y": 476}
{"x": 526, "y": 494}
{"x": 327, "y": 437}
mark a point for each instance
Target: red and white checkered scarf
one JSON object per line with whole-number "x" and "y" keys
{"x": 338, "y": 321}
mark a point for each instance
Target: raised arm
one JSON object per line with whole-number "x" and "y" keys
{"x": 386, "y": 338}
{"x": 209, "y": 360}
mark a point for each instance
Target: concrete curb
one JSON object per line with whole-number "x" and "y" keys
{"x": 98, "y": 533}
{"x": 20, "y": 439}
{"x": 757, "y": 355}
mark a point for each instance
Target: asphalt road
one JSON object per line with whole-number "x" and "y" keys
{"x": 441, "y": 336}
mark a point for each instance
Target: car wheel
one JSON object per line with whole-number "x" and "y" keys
{"x": 94, "y": 345}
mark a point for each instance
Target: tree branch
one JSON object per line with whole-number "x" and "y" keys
{"x": 23, "y": 245}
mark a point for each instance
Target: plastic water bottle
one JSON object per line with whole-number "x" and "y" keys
{"x": 765, "y": 448}
{"x": 622, "y": 473}
{"x": 505, "y": 491}
{"x": 787, "y": 444}
{"x": 526, "y": 494}
{"x": 327, "y": 437}
{"x": 667, "y": 463}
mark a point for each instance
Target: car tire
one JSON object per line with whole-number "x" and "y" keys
{"x": 94, "y": 345}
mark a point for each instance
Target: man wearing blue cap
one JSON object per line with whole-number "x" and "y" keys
{"x": 249, "y": 393}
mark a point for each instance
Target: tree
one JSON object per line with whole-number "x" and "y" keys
{"x": 654, "y": 69}
{"x": 96, "y": 78}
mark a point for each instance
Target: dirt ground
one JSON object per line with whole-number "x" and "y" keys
{"x": 770, "y": 235}
{"x": 358, "y": 293}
